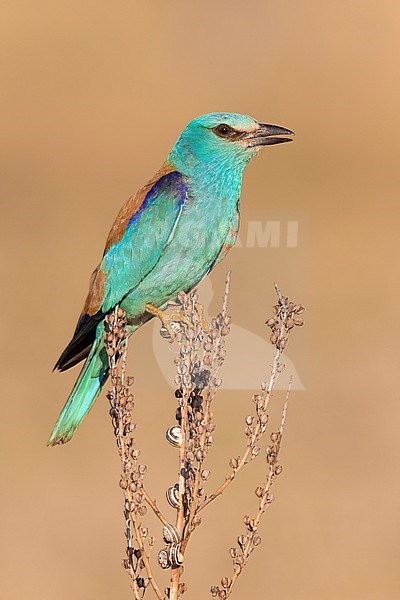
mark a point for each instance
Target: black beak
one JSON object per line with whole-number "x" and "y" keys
{"x": 268, "y": 135}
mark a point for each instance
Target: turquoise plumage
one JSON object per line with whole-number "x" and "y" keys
{"x": 165, "y": 239}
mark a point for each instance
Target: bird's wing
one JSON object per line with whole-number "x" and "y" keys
{"x": 143, "y": 228}
{"x": 147, "y": 232}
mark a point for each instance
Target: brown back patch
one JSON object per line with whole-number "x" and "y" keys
{"x": 132, "y": 206}
{"x": 95, "y": 296}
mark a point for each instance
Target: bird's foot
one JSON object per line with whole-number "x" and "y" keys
{"x": 169, "y": 321}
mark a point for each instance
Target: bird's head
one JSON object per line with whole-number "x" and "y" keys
{"x": 227, "y": 141}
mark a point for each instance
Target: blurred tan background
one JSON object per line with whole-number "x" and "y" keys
{"x": 93, "y": 95}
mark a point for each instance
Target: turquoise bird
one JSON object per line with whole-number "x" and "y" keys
{"x": 165, "y": 239}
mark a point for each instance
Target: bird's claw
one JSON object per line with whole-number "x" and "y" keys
{"x": 171, "y": 325}
{"x": 170, "y": 321}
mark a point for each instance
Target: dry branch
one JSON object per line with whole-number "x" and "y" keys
{"x": 199, "y": 357}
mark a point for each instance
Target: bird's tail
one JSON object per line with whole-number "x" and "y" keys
{"x": 86, "y": 389}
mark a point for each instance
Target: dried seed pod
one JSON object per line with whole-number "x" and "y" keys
{"x": 174, "y": 436}
{"x": 274, "y": 337}
{"x": 234, "y": 463}
{"x": 298, "y": 309}
{"x": 259, "y": 492}
{"x": 283, "y": 343}
{"x": 200, "y": 455}
{"x": 225, "y": 582}
{"x": 252, "y": 525}
{"x": 173, "y": 497}
{"x": 163, "y": 559}
{"x": 175, "y": 555}
{"x": 261, "y": 405}
{"x": 196, "y": 521}
{"x": 171, "y": 534}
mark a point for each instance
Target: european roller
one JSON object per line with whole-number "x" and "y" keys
{"x": 165, "y": 239}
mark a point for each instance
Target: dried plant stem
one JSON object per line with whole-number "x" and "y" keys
{"x": 200, "y": 355}
{"x": 180, "y": 516}
{"x": 199, "y": 359}
{"x": 211, "y": 390}
{"x": 121, "y": 402}
{"x": 285, "y": 319}
{"x": 265, "y": 500}
{"x": 154, "y": 507}
{"x": 263, "y": 399}
{"x": 144, "y": 557}
{"x": 250, "y": 445}
{"x": 194, "y": 506}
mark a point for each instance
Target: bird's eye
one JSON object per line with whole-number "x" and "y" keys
{"x": 223, "y": 130}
